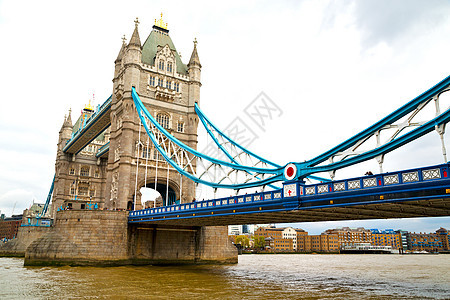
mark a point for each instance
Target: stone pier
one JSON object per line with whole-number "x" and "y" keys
{"x": 25, "y": 236}
{"x": 104, "y": 238}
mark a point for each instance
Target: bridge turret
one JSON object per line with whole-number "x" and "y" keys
{"x": 163, "y": 82}
{"x": 132, "y": 60}
{"x": 118, "y": 61}
{"x": 65, "y": 133}
{"x": 194, "y": 70}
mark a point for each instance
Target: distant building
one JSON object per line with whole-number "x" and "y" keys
{"x": 430, "y": 242}
{"x": 10, "y": 226}
{"x": 444, "y": 237}
{"x": 241, "y": 229}
{"x": 292, "y": 239}
{"x": 349, "y": 236}
{"x": 387, "y": 237}
{"x": 234, "y": 229}
{"x": 318, "y": 243}
{"x": 279, "y": 239}
{"x": 250, "y": 229}
{"x": 404, "y": 235}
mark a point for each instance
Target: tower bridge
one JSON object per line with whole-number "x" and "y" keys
{"x": 145, "y": 135}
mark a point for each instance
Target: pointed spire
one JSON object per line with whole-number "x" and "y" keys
{"x": 122, "y": 49}
{"x": 135, "y": 40}
{"x": 68, "y": 119}
{"x": 195, "y": 60}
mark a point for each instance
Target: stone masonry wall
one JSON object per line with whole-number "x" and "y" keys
{"x": 84, "y": 237}
{"x": 25, "y": 236}
{"x": 176, "y": 245}
{"x": 215, "y": 245}
{"x": 104, "y": 237}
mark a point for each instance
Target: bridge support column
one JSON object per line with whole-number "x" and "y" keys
{"x": 104, "y": 237}
{"x": 153, "y": 244}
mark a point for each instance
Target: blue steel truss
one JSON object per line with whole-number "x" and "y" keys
{"x": 427, "y": 183}
{"x": 175, "y": 152}
{"x": 311, "y": 166}
{"x": 47, "y": 202}
{"x": 101, "y": 110}
{"x": 265, "y": 172}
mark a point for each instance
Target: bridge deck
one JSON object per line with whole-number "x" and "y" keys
{"x": 96, "y": 124}
{"x": 422, "y": 192}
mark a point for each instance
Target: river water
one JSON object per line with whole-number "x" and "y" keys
{"x": 281, "y": 276}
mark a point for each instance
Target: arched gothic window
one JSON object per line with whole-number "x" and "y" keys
{"x": 163, "y": 120}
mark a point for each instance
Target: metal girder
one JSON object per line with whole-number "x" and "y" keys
{"x": 348, "y": 153}
{"x": 94, "y": 126}
{"x": 188, "y": 161}
{"x": 361, "y": 212}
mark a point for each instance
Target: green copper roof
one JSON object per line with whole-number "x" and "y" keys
{"x": 155, "y": 38}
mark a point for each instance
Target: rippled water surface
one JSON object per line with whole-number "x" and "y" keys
{"x": 255, "y": 277}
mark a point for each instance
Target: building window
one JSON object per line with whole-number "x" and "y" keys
{"x": 145, "y": 152}
{"x": 84, "y": 171}
{"x": 83, "y": 190}
{"x": 163, "y": 119}
{"x": 152, "y": 80}
{"x": 169, "y": 67}
{"x": 161, "y": 65}
{"x": 180, "y": 127}
{"x": 157, "y": 156}
{"x": 92, "y": 193}
{"x": 72, "y": 171}
{"x": 97, "y": 174}
{"x": 169, "y": 84}
{"x": 160, "y": 82}
{"x": 72, "y": 190}
{"x": 176, "y": 86}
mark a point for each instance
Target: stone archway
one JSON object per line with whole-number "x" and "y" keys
{"x": 161, "y": 187}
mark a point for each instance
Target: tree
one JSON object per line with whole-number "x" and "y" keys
{"x": 242, "y": 240}
{"x": 259, "y": 241}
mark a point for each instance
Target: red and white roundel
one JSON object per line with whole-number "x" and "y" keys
{"x": 290, "y": 171}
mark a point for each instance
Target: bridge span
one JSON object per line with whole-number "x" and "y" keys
{"x": 421, "y": 192}
{"x": 146, "y": 134}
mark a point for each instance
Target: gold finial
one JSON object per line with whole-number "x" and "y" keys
{"x": 124, "y": 39}
{"x": 195, "y": 42}
{"x": 136, "y": 22}
{"x": 89, "y": 106}
{"x": 160, "y": 23}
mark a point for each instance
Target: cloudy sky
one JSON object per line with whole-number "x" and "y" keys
{"x": 332, "y": 67}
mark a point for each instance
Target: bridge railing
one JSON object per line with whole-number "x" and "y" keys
{"x": 375, "y": 181}
{"x": 214, "y": 203}
{"x": 102, "y": 150}
{"x": 352, "y": 187}
{"x": 86, "y": 124}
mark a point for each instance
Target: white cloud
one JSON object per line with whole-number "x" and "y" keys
{"x": 14, "y": 201}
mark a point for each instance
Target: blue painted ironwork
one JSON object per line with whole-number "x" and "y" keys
{"x": 208, "y": 124}
{"x": 308, "y": 167}
{"x": 428, "y": 127}
{"x": 103, "y": 149}
{"x": 412, "y": 184}
{"x": 142, "y": 111}
{"x": 47, "y": 202}
{"x": 104, "y": 108}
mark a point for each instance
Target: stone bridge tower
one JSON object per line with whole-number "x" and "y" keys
{"x": 169, "y": 89}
